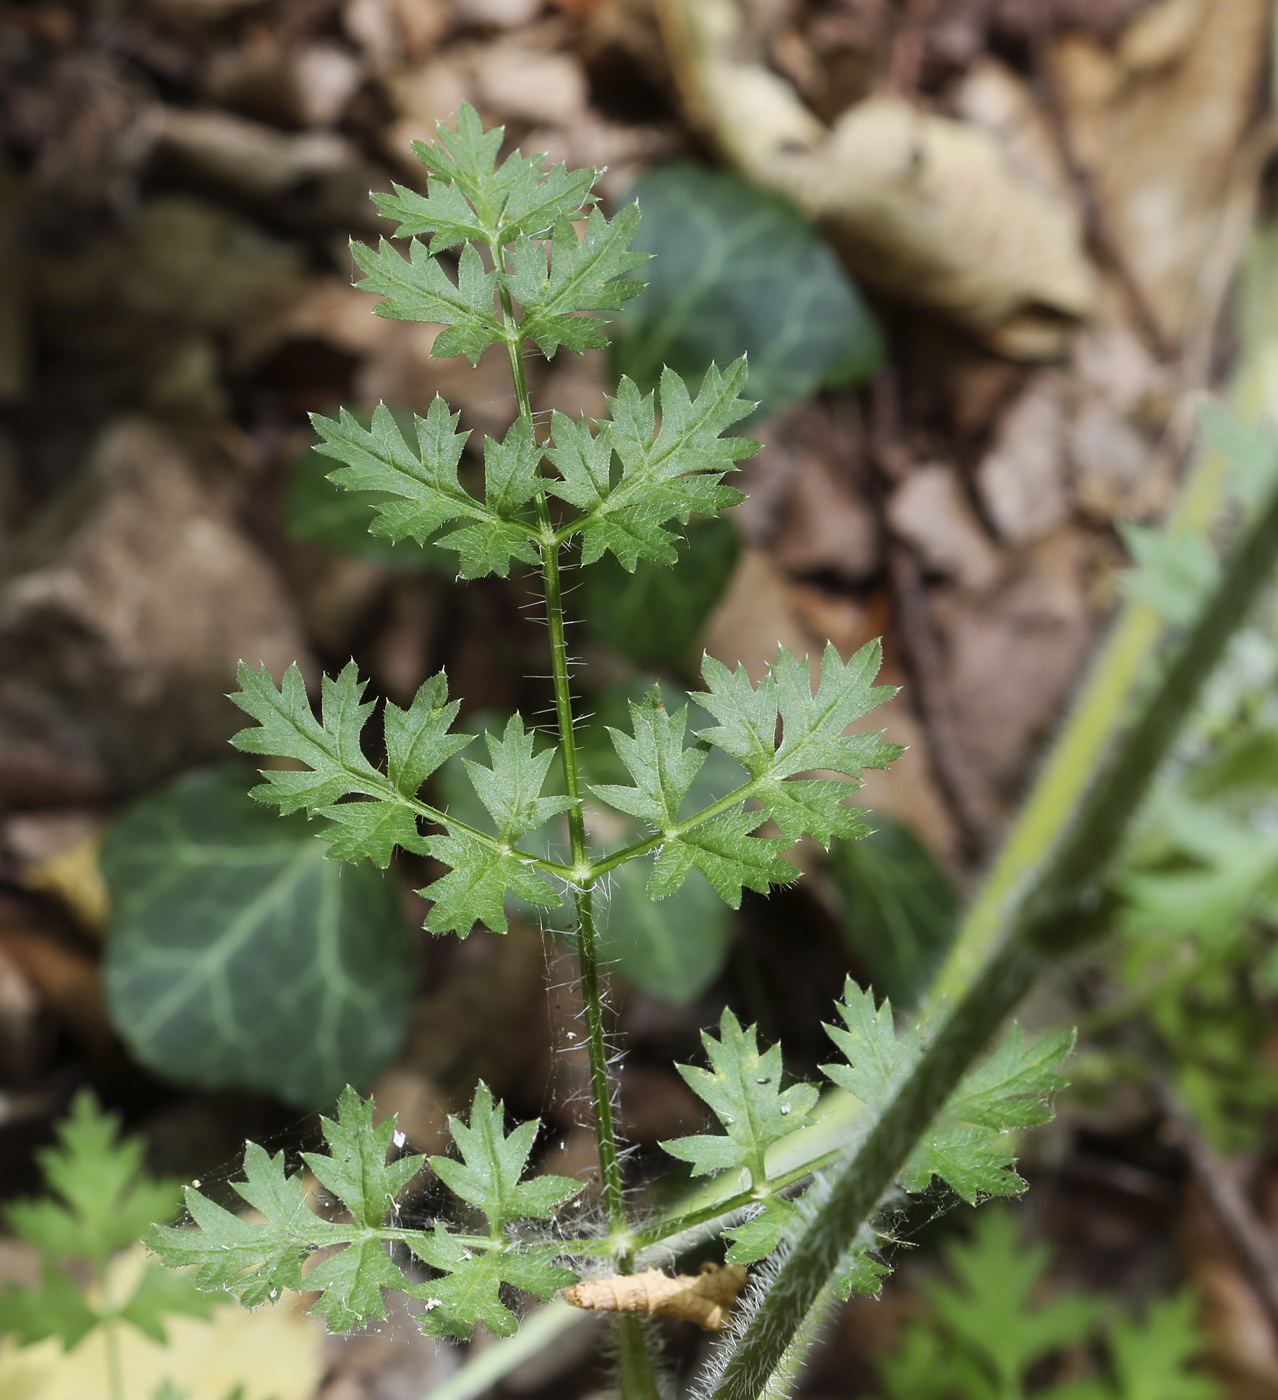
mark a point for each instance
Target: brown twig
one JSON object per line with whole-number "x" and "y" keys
{"x": 1233, "y": 1211}
{"x": 965, "y": 792}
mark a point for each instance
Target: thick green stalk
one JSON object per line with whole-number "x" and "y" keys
{"x": 1049, "y": 913}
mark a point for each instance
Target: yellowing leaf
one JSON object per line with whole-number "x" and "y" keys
{"x": 274, "y": 1352}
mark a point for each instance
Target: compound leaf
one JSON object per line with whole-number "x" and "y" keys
{"x": 488, "y": 1176}
{"x": 254, "y": 1259}
{"x": 743, "y": 1088}
{"x": 470, "y": 196}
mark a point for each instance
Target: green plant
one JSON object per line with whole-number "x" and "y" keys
{"x": 100, "y": 1200}
{"x": 912, "y": 1108}
{"x": 990, "y": 1328}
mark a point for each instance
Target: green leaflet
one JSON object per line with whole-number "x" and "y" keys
{"x": 419, "y": 491}
{"x": 418, "y": 742}
{"x": 966, "y": 1146}
{"x": 585, "y": 274}
{"x": 100, "y": 1201}
{"x": 743, "y": 1088}
{"x": 722, "y": 845}
{"x": 488, "y": 1176}
{"x": 256, "y": 1259}
{"x": 655, "y": 757}
{"x": 339, "y": 518}
{"x": 417, "y": 288}
{"x": 670, "y": 473}
{"x": 469, "y": 1288}
{"x": 239, "y": 956}
{"x": 469, "y": 196}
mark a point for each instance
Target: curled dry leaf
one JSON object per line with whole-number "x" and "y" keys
{"x": 919, "y": 205}
{"x": 705, "y": 1298}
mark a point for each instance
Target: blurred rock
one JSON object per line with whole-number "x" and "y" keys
{"x": 419, "y": 1108}
{"x": 246, "y": 155}
{"x": 931, "y": 512}
{"x": 118, "y": 641}
{"x": 306, "y": 85}
{"x": 515, "y": 80}
{"x": 1021, "y": 479}
{"x": 504, "y": 14}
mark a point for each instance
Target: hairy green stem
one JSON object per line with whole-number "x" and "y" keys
{"x": 1055, "y": 910}
{"x": 637, "y": 1379}
{"x": 634, "y": 1365}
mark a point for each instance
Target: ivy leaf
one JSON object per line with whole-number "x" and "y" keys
{"x": 355, "y": 1168}
{"x": 727, "y": 854}
{"x": 743, "y": 1088}
{"x": 418, "y": 289}
{"x": 586, "y": 274}
{"x": 510, "y": 788}
{"x": 488, "y": 1176}
{"x": 474, "y": 891}
{"x": 655, "y": 757}
{"x": 738, "y": 270}
{"x": 470, "y": 1290}
{"x": 667, "y": 474}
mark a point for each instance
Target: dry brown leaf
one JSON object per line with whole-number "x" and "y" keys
{"x": 273, "y": 1351}
{"x": 705, "y": 1298}
{"x": 922, "y": 206}
{"x": 1157, "y": 123}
